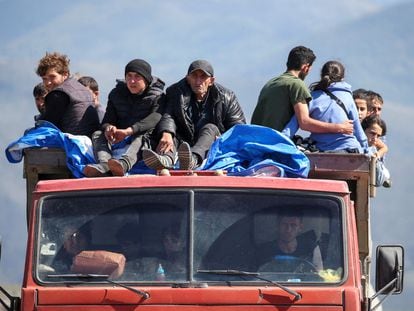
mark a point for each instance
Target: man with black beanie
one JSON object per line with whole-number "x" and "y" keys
{"x": 132, "y": 112}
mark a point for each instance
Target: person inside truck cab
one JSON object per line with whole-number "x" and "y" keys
{"x": 293, "y": 250}
{"x": 139, "y": 266}
{"x": 68, "y": 104}
{"x": 174, "y": 259}
{"x": 74, "y": 241}
{"x": 198, "y": 110}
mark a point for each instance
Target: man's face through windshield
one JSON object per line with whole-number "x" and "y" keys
{"x": 289, "y": 228}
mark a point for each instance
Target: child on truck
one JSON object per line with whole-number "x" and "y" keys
{"x": 375, "y": 128}
{"x": 361, "y": 101}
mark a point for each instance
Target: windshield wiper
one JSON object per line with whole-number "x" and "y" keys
{"x": 100, "y": 277}
{"x": 255, "y": 275}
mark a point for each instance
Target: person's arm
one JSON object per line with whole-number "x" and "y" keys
{"x": 291, "y": 128}
{"x": 235, "y": 113}
{"x": 306, "y": 123}
{"x": 152, "y": 119}
{"x": 382, "y": 149}
{"x": 317, "y": 258}
{"x": 110, "y": 116}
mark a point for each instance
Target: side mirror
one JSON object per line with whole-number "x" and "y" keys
{"x": 389, "y": 269}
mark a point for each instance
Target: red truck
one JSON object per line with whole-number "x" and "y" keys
{"x": 202, "y": 240}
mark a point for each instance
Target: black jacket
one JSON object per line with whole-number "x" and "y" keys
{"x": 221, "y": 108}
{"x": 141, "y": 112}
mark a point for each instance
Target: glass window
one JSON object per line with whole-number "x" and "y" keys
{"x": 286, "y": 238}
{"x": 127, "y": 236}
{"x": 190, "y": 235}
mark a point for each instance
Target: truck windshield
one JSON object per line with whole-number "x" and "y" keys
{"x": 190, "y": 235}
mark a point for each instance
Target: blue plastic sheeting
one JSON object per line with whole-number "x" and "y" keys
{"x": 251, "y": 149}
{"x": 244, "y": 150}
{"x": 78, "y": 148}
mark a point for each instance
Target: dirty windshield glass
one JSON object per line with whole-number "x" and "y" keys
{"x": 286, "y": 238}
{"x": 126, "y": 236}
{"x": 190, "y": 236}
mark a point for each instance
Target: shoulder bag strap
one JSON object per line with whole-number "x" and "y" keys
{"x": 339, "y": 102}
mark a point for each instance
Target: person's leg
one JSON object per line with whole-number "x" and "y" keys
{"x": 160, "y": 161}
{"x": 191, "y": 158}
{"x": 101, "y": 148}
{"x": 128, "y": 159}
{"x": 102, "y": 154}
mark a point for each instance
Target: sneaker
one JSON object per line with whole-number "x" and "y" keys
{"x": 387, "y": 183}
{"x": 155, "y": 161}
{"x": 117, "y": 167}
{"x": 96, "y": 170}
{"x": 188, "y": 161}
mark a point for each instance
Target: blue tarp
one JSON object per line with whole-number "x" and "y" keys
{"x": 243, "y": 150}
{"x": 246, "y": 149}
{"x": 78, "y": 148}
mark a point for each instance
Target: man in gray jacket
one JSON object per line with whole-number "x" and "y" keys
{"x": 198, "y": 110}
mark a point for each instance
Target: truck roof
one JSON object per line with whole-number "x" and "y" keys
{"x": 184, "y": 181}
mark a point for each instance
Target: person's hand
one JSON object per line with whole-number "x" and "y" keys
{"x": 166, "y": 143}
{"x": 115, "y": 135}
{"x": 120, "y": 135}
{"x": 110, "y": 133}
{"x": 347, "y": 127}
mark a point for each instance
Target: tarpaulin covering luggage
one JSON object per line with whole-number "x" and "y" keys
{"x": 78, "y": 148}
{"x": 248, "y": 149}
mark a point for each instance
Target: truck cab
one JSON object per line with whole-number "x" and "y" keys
{"x": 204, "y": 240}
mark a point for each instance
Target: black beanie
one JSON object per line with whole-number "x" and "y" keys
{"x": 141, "y": 67}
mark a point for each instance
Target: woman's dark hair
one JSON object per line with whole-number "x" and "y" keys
{"x": 331, "y": 72}
{"x": 374, "y": 119}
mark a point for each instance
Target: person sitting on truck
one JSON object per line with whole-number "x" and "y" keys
{"x": 68, "y": 104}
{"x": 198, "y": 110}
{"x": 132, "y": 112}
{"x": 375, "y": 103}
{"x": 360, "y": 97}
{"x": 332, "y": 102}
{"x": 39, "y": 94}
{"x": 375, "y": 128}
{"x": 292, "y": 250}
{"x": 287, "y": 95}
{"x": 92, "y": 85}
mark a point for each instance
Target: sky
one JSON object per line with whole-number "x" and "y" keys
{"x": 247, "y": 43}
